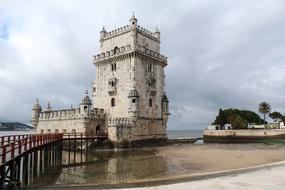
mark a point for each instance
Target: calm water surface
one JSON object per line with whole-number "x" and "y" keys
{"x": 107, "y": 167}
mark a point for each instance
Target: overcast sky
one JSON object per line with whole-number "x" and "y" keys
{"x": 221, "y": 54}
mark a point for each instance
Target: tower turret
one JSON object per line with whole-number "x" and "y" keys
{"x": 133, "y": 103}
{"x": 48, "y": 107}
{"x": 37, "y": 109}
{"x": 157, "y": 33}
{"x": 133, "y": 22}
{"x": 102, "y": 34}
{"x": 86, "y": 105}
{"x": 164, "y": 106}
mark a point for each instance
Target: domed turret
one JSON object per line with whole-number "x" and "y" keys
{"x": 37, "y": 109}
{"x": 86, "y": 100}
{"x": 133, "y": 22}
{"x": 164, "y": 104}
{"x": 37, "y": 105}
{"x": 86, "y": 104}
{"x": 133, "y": 93}
{"x": 134, "y": 103}
{"x": 48, "y": 107}
{"x": 164, "y": 98}
{"x": 157, "y": 33}
{"x": 102, "y": 34}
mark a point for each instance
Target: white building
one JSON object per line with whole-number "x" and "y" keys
{"x": 129, "y": 100}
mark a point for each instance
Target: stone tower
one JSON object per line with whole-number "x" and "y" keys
{"x": 129, "y": 84}
{"x": 37, "y": 109}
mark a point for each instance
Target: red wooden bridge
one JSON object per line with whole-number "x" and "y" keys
{"x": 20, "y": 154}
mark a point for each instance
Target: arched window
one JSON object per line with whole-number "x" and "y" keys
{"x": 113, "y": 102}
{"x": 116, "y": 50}
{"x": 150, "y": 102}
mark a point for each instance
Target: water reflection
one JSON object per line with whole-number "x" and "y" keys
{"x": 108, "y": 167}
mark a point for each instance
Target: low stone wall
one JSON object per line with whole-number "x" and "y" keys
{"x": 249, "y": 135}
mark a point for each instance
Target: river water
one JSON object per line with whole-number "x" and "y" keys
{"x": 107, "y": 167}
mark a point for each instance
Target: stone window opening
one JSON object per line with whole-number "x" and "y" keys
{"x": 116, "y": 50}
{"x": 112, "y": 83}
{"x": 94, "y": 89}
{"x": 150, "y": 102}
{"x": 113, "y": 102}
{"x": 149, "y": 68}
{"x": 113, "y": 67}
{"x": 85, "y": 108}
{"x": 133, "y": 100}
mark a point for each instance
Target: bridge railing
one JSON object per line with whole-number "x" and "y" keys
{"x": 10, "y": 138}
{"x": 19, "y": 144}
{"x": 84, "y": 135}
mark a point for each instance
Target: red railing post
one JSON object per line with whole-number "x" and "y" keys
{"x": 2, "y": 140}
{"x": 30, "y": 142}
{"x": 34, "y": 140}
{"x": 3, "y": 154}
{"x": 26, "y": 143}
{"x": 38, "y": 140}
{"x": 12, "y": 150}
{"x": 8, "y": 139}
{"x": 20, "y": 147}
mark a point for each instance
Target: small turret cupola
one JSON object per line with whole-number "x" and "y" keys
{"x": 86, "y": 100}
{"x": 133, "y": 22}
{"x": 102, "y": 34}
{"x": 86, "y": 104}
{"x": 157, "y": 33}
{"x": 164, "y": 103}
{"x": 134, "y": 102}
{"x": 37, "y": 106}
{"x": 48, "y": 107}
{"x": 37, "y": 109}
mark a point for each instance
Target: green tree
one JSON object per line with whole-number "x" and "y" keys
{"x": 237, "y": 122}
{"x": 220, "y": 119}
{"x": 276, "y": 116}
{"x": 264, "y": 108}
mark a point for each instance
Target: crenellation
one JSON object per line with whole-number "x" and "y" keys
{"x": 127, "y": 49}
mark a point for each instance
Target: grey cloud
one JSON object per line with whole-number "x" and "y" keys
{"x": 224, "y": 53}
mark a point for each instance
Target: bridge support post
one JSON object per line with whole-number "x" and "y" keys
{"x": 35, "y": 165}
{"x": 12, "y": 170}
{"x": 31, "y": 169}
{"x": 3, "y": 176}
{"x": 25, "y": 176}
{"x": 18, "y": 163}
{"x": 41, "y": 162}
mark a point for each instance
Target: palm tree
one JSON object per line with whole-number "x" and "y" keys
{"x": 264, "y": 108}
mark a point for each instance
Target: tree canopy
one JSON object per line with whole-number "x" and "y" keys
{"x": 237, "y": 118}
{"x": 264, "y": 108}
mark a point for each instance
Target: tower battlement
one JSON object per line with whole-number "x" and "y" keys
{"x": 125, "y": 29}
{"x": 127, "y": 49}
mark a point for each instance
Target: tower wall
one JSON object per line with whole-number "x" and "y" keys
{"x": 136, "y": 84}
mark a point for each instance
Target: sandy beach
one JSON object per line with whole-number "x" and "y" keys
{"x": 218, "y": 157}
{"x": 195, "y": 166}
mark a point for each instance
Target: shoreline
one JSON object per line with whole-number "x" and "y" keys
{"x": 254, "y": 157}
{"x": 170, "y": 180}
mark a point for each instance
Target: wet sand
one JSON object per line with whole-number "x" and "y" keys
{"x": 188, "y": 163}
{"x": 218, "y": 157}
{"x": 263, "y": 179}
